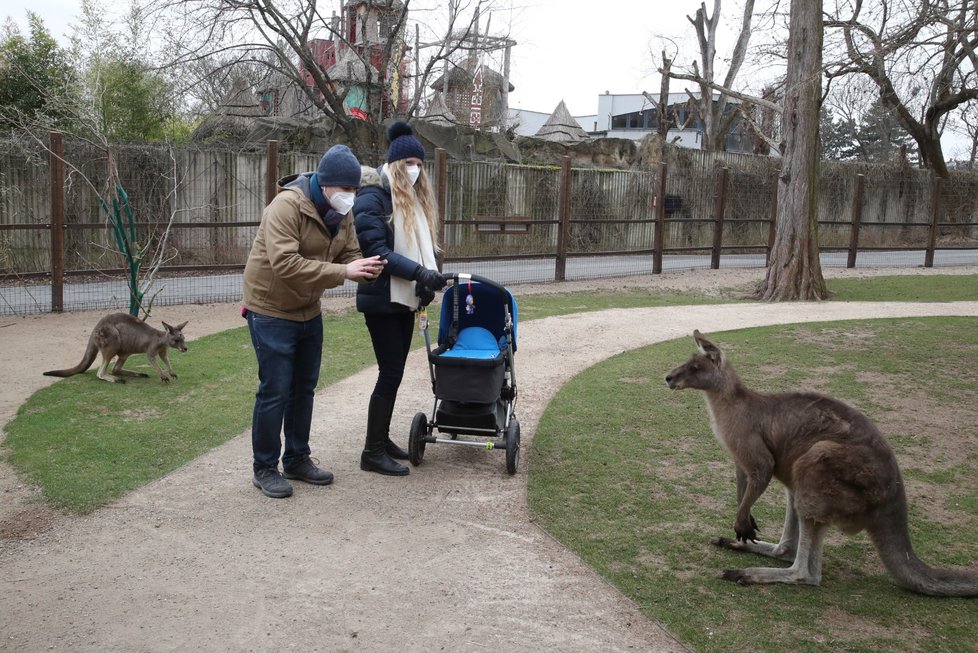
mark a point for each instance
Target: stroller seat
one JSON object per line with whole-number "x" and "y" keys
{"x": 476, "y": 342}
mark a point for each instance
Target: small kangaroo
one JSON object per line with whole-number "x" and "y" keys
{"x": 834, "y": 462}
{"x": 121, "y": 334}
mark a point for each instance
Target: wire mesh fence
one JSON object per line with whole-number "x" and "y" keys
{"x": 197, "y": 211}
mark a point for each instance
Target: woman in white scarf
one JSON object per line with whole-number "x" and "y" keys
{"x": 397, "y": 219}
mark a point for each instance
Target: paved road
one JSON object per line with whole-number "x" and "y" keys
{"x": 211, "y": 289}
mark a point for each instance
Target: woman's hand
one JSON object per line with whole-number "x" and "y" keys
{"x": 430, "y": 278}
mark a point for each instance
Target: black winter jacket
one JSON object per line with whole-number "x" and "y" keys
{"x": 372, "y": 211}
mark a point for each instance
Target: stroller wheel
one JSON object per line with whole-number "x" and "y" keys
{"x": 512, "y": 446}
{"x": 419, "y": 429}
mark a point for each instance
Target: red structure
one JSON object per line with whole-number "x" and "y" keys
{"x": 354, "y": 59}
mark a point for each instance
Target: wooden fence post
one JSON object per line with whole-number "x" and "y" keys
{"x": 56, "y": 177}
{"x": 719, "y": 208}
{"x": 935, "y": 214}
{"x": 857, "y": 217}
{"x": 563, "y": 215}
{"x": 441, "y": 197}
{"x": 271, "y": 171}
{"x": 658, "y": 230}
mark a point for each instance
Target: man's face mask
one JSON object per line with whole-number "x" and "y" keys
{"x": 342, "y": 201}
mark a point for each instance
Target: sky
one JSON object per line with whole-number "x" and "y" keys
{"x": 575, "y": 50}
{"x": 571, "y": 50}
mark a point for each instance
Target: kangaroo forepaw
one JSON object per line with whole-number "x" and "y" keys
{"x": 738, "y": 576}
{"x": 165, "y": 380}
{"x": 727, "y": 543}
{"x": 747, "y": 534}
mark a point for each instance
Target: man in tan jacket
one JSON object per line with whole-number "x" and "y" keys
{"x": 305, "y": 244}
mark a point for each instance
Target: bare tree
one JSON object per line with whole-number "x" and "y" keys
{"x": 921, "y": 56}
{"x": 794, "y": 271}
{"x": 665, "y": 117}
{"x": 360, "y": 51}
{"x": 142, "y": 259}
{"x": 716, "y": 117}
{"x": 968, "y": 118}
{"x": 762, "y": 121}
{"x": 84, "y": 108}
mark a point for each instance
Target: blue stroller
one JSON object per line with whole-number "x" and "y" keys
{"x": 473, "y": 376}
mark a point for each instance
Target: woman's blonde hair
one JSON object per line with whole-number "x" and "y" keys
{"x": 404, "y": 195}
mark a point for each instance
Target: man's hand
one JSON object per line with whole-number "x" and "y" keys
{"x": 365, "y": 269}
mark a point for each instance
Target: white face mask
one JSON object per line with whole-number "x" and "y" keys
{"x": 342, "y": 202}
{"x": 413, "y": 173}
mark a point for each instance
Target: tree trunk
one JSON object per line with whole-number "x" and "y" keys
{"x": 931, "y": 149}
{"x": 795, "y": 271}
{"x": 665, "y": 119}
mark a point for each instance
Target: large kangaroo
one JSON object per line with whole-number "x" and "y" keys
{"x": 837, "y": 468}
{"x": 121, "y": 334}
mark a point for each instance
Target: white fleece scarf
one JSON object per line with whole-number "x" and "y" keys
{"x": 420, "y": 247}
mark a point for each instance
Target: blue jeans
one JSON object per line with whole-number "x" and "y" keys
{"x": 289, "y": 354}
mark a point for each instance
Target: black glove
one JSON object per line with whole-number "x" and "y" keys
{"x": 425, "y": 295}
{"x": 431, "y": 279}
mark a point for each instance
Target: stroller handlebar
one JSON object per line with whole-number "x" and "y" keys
{"x": 462, "y": 277}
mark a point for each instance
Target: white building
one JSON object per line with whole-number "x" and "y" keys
{"x": 633, "y": 116}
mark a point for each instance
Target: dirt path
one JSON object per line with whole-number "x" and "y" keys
{"x": 446, "y": 559}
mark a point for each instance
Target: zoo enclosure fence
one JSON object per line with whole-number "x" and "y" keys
{"x": 528, "y": 223}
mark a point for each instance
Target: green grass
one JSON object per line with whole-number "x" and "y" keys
{"x": 627, "y": 474}
{"x": 906, "y": 288}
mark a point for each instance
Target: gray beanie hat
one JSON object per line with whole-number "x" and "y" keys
{"x": 339, "y": 167}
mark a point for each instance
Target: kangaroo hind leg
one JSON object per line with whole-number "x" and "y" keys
{"x": 118, "y": 371}
{"x": 806, "y": 569}
{"x": 103, "y": 370}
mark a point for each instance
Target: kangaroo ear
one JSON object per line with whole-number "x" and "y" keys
{"x": 707, "y": 348}
{"x": 179, "y": 327}
{"x": 167, "y": 327}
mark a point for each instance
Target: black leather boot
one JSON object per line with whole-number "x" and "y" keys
{"x": 391, "y": 448}
{"x": 375, "y": 457}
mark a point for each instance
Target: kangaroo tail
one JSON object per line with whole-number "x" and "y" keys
{"x": 90, "y": 353}
{"x": 892, "y": 540}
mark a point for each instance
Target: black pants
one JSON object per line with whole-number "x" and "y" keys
{"x": 391, "y": 337}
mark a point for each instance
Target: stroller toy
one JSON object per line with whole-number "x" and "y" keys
{"x": 473, "y": 376}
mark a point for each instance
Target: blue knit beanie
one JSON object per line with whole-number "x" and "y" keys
{"x": 339, "y": 167}
{"x": 403, "y": 144}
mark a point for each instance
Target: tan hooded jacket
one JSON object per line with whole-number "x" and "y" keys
{"x": 294, "y": 258}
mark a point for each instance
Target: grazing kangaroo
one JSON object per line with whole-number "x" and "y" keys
{"x": 122, "y": 335}
{"x": 835, "y": 464}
